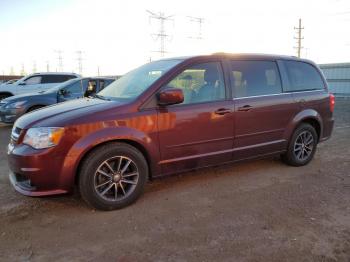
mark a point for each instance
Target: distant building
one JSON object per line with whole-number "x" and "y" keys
{"x": 338, "y": 78}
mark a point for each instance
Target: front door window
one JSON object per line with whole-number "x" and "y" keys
{"x": 201, "y": 83}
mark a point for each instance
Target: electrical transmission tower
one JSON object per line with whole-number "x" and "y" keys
{"x": 80, "y": 61}
{"x": 299, "y": 38}
{"x": 59, "y": 60}
{"x": 161, "y": 35}
{"x": 200, "y": 21}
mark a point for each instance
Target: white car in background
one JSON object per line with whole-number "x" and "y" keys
{"x": 35, "y": 83}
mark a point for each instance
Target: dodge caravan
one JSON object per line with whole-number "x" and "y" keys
{"x": 171, "y": 116}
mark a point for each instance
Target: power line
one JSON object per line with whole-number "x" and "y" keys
{"x": 299, "y": 38}
{"x": 59, "y": 60}
{"x": 200, "y": 21}
{"x": 161, "y": 33}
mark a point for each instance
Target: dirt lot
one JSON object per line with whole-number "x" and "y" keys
{"x": 254, "y": 211}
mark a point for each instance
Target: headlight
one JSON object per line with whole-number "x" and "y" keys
{"x": 43, "y": 137}
{"x": 18, "y": 104}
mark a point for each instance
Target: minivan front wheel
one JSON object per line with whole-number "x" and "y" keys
{"x": 113, "y": 176}
{"x": 302, "y": 146}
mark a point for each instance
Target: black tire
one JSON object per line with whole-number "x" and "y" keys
{"x": 293, "y": 155}
{"x": 111, "y": 153}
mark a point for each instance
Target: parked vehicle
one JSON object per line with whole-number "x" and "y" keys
{"x": 12, "y": 81}
{"x": 13, "y": 107}
{"x": 171, "y": 116}
{"x": 34, "y": 83}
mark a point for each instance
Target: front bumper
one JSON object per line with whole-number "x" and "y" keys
{"x": 38, "y": 172}
{"x": 10, "y": 115}
{"x": 23, "y": 185}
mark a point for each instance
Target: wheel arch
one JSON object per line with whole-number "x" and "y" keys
{"x": 131, "y": 142}
{"x": 309, "y": 116}
{"x": 6, "y": 93}
{"x": 36, "y": 106}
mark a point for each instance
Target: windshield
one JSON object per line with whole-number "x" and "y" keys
{"x": 138, "y": 80}
{"x": 62, "y": 85}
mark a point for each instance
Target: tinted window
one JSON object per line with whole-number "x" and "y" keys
{"x": 302, "y": 76}
{"x": 33, "y": 80}
{"x": 201, "y": 83}
{"x": 253, "y": 78}
{"x": 74, "y": 88}
{"x": 105, "y": 82}
{"x": 47, "y": 79}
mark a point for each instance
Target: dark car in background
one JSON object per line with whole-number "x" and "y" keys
{"x": 171, "y": 116}
{"x": 13, "y": 107}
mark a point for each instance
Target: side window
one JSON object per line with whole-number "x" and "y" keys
{"x": 48, "y": 79}
{"x": 91, "y": 87}
{"x": 201, "y": 83}
{"x": 104, "y": 83}
{"x": 74, "y": 88}
{"x": 34, "y": 80}
{"x": 302, "y": 76}
{"x": 254, "y": 78}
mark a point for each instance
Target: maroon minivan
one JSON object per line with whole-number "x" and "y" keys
{"x": 171, "y": 116}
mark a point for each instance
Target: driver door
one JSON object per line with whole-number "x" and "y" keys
{"x": 199, "y": 131}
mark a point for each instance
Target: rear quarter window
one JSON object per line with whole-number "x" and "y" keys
{"x": 255, "y": 78}
{"x": 302, "y": 77}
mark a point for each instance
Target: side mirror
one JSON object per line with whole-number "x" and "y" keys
{"x": 62, "y": 92}
{"x": 170, "y": 96}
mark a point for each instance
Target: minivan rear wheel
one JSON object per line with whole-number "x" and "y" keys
{"x": 302, "y": 146}
{"x": 113, "y": 176}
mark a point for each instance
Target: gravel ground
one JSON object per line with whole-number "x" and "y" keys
{"x": 253, "y": 211}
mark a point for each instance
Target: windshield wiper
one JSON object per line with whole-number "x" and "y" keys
{"x": 100, "y": 97}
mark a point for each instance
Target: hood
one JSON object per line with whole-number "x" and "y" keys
{"x": 67, "y": 113}
{"x": 25, "y": 97}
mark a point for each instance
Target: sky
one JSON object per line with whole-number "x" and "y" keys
{"x": 117, "y": 36}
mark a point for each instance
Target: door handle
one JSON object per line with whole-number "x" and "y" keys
{"x": 245, "y": 108}
{"x": 223, "y": 111}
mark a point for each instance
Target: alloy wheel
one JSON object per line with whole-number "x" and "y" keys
{"x": 116, "y": 178}
{"x": 303, "y": 145}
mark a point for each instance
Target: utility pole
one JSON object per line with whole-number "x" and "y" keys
{"x": 59, "y": 60}
{"x": 47, "y": 66}
{"x": 98, "y": 70}
{"x": 23, "y": 72}
{"x": 80, "y": 61}
{"x": 162, "y": 18}
{"x": 299, "y": 37}
{"x": 34, "y": 67}
{"x": 200, "y": 21}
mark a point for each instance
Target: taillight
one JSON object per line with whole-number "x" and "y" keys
{"x": 331, "y": 102}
